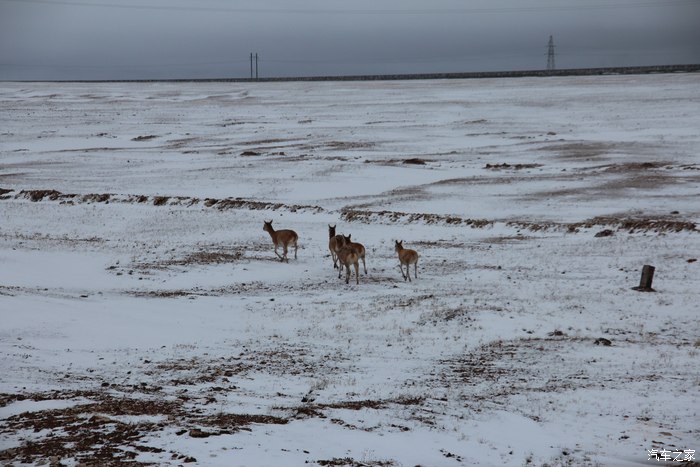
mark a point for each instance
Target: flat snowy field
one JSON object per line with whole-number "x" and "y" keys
{"x": 144, "y": 318}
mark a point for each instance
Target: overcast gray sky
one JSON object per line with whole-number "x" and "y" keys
{"x": 152, "y": 39}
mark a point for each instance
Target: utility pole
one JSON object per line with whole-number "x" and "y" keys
{"x": 550, "y": 54}
{"x": 251, "y": 65}
{"x": 256, "y": 65}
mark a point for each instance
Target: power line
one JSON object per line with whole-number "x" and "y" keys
{"x": 112, "y": 65}
{"x": 570, "y": 52}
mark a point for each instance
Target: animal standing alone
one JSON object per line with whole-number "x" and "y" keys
{"x": 348, "y": 256}
{"x": 282, "y": 238}
{"x": 359, "y": 248}
{"x": 406, "y": 257}
{"x": 335, "y": 243}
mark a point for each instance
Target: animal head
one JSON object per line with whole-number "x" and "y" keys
{"x": 267, "y": 226}
{"x": 398, "y": 245}
{"x": 346, "y": 239}
{"x": 331, "y": 230}
{"x": 341, "y": 241}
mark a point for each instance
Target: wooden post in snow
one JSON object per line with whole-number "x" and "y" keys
{"x": 647, "y": 278}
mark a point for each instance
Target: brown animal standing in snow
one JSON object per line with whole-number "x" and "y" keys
{"x": 282, "y": 238}
{"x": 347, "y": 256}
{"x": 359, "y": 248}
{"x": 334, "y": 244}
{"x": 406, "y": 257}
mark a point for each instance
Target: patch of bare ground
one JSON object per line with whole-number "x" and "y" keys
{"x": 309, "y": 410}
{"x": 631, "y": 225}
{"x": 94, "y": 429}
{"x": 8, "y": 291}
{"x": 261, "y": 142}
{"x": 87, "y": 432}
{"x": 39, "y": 195}
{"x": 166, "y": 293}
{"x": 238, "y": 203}
{"x": 394, "y": 162}
{"x": 180, "y": 143}
{"x": 144, "y": 138}
{"x": 495, "y": 371}
{"x": 51, "y": 238}
{"x": 633, "y": 167}
{"x": 506, "y": 239}
{"x": 438, "y": 244}
{"x": 348, "y": 145}
{"x": 442, "y": 314}
{"x": 250, "y": 153}
{"x": 350, "y": 462}
{"x": 250, "y": 288}
{"x": 94, "y": 433}
{"x": 637, "y": 225}
{"x": 589, "y": 150}
{"x": 505, "y": 166}
{"x": 369, "y": 217}
{"x": 222, "y": 204}
{"x": 229, "y": 423}
{"x": 198, "y": 258}
{"x": 414, "y": 161}
{"x": 500, "y": 179}
{"x": 289, "y": 360}
{"x": 210, "y": 257}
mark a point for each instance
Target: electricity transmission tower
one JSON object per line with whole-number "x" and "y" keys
{"x": 251, "y": 65}
{"x": 550, "y": 54}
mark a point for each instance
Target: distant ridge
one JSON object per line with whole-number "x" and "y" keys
{"x": 502, "y": 74}
{"x": 632, "y": 70}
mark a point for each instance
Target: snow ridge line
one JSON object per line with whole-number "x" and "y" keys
{"x": 629, "y": 224}
{"x": 106, "y": 198}
{"x": 356, "y": 215}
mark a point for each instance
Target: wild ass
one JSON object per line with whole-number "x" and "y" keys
{"x": 283, "y": 238}
{"x": 335, "y": 243}
{"x": 359, "y": 248}
{"x": 406, "y": 257}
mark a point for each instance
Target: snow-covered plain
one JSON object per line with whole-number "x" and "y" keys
{"x": 144, "y": 317}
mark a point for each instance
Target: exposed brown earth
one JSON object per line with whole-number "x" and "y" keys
{"x": 222, "y": 204}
